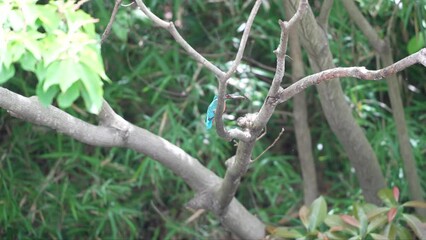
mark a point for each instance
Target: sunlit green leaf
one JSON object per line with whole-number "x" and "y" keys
{"x": 28, "y": 62}
{"x": 46, "y": 97}
{"x": 50, "y": 17}
{"x": 90, "y": 56}
{"x": 6, "y": 73}
{"x": 65, "y": 99}
{"x": 68, "y": 69}
{"x": 92, "y": 92}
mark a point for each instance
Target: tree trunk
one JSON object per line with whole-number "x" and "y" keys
{"x": 338, "y": 112}
{"x": 382, "y": 47}
{"x": 301, "y": 127}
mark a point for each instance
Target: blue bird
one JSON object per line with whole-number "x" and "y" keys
{"x": 211, "y": 110}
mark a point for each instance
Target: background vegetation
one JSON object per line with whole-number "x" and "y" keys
{"x": 52, "y": 186}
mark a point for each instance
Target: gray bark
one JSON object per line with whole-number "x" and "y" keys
{"x": 114, "y": 131}
{"x": 338, "y": 113}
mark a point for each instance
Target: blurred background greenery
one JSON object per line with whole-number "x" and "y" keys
{"x": 52, "y": 186}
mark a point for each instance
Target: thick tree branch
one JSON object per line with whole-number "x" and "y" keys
{"x": 114, "y": 131}
{"x": 356, "y": 72}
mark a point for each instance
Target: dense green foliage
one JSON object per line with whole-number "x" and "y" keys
{"x": 365, "y": 221}
{"x": 52, "y": 186}
{"x": 58, "y": 43}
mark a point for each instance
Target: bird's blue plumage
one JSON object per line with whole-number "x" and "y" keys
{"x": 211, "y": 112}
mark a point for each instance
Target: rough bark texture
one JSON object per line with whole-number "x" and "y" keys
{"x": 338, "y": 112}
{"x": 301, "y": 126}
{"x": 383, "y": 49}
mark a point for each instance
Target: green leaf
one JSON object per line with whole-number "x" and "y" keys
{"x": 52, "y": 74}
{"x": 415, "y": 44}
{"x": 386, "y": 195}
{"x": 68, "y": 71}
{"x": 318, "y": 212}
{"x": 376, "y": 236}
{"x": 91, "y": 57}
{"x": 66, "y": 99}
{"x": 46, "y": 97}
{"x": 416, "y": 225}
{"x": 376, "y": 222}
{"x": 16, "y": 20}
{"x": 92, "y": 92}
{"x": 30, "y": 42}
{"x": 286, "y": 233}
{"x": 363, "y": 220}
{"x": 404, "y": 233}
{"x": 375, "y": 211}
{"x": 391, "y": 231}
{"x": 416, "y": 204}
{"x": 16, "y": 49}
{"x": 333, "y": 221}
{"x": 6, "y": 73}
{"x": 50, "y": 17}
{"x": 28, "y": 62}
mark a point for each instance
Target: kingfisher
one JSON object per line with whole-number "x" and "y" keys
{"x": 211, "y": 110}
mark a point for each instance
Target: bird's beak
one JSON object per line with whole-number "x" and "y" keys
{"x": 234, "y": 96}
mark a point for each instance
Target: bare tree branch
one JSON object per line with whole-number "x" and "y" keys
{"x": 220, "y": 128}
{"x": 111, "y": 21}
{"x": 383, "y": 49}
{"x": 169, "y": 26}
{"x": 325, "y": 13}
{"x": 222, "y": 76}
{"x": 114, "y": 131}
{"x": 356, "y": 72}
{"x": 235, "y": 171}
{"x": 243, "y": 41}
{"x": 270, "y": 103}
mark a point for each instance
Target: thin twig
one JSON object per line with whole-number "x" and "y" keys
{"x": 194, "y": 216}
{"x": 270, "y": 146}
{"x": 169, "y": 26}
{"x": 111, "y": 21}
{"x": 243, "y": 41}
